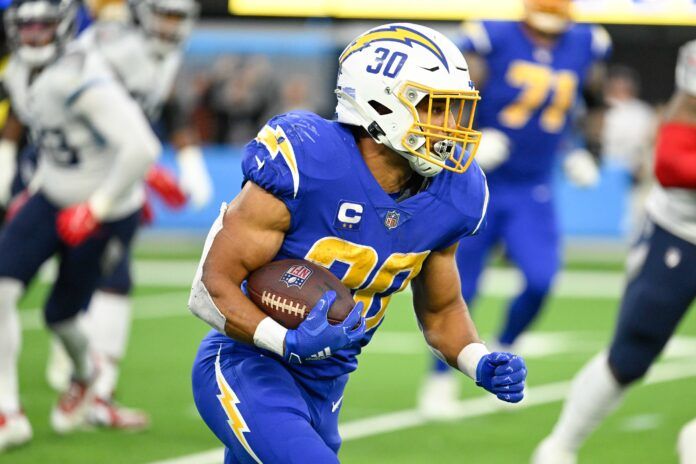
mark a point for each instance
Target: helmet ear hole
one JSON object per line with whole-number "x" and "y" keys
{"x": 379, "y": 108}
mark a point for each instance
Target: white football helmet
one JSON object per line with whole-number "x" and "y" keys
{"x": 167, "y": 23}
{"x": 38, "y": 30}
{"x": 686, "y": 68}
{"x": 386, "y": 72}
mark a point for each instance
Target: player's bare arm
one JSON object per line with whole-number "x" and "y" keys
{"x": 449, "y": 330}
{"x": 253, "y": 229}
{"x": 13, "y": 128}
{"x": 440, "y": 308}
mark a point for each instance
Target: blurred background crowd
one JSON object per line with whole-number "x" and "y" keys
{"x": 238, "y": 72}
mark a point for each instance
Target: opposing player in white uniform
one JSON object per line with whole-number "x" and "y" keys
{"x": 660, "y": 289}
{"x": 145, "y": 54}
{"x": 95, "y": 148}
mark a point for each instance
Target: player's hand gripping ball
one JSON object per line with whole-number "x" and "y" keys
{"x": 287, "y": 290}
{"x": 316, "y": 338}
{"x": 502, "y": 374}
{"x": 310, "y": 301}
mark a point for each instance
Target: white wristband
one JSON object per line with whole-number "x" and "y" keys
{"x": 468, "y": 359}
{"x": 270, "y": 336}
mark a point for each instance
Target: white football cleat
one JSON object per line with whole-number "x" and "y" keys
{"x": 109, "y": 414}
{"x": 686, "y": 445}
{"x": 439, "y": 396}
{"x": 70, "y": 412}
{"x": 550, "y": 452}
{"x": 15, "y": 430}
{"x": 59, "y": 367}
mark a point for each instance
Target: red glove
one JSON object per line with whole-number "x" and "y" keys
{"x": 76, "y": 224}
{"x": 17, "y": 204}
{"x": 164, "y": 184}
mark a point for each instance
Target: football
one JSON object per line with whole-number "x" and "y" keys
{"x": 287, "y": 290}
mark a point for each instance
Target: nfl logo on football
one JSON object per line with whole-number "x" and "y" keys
{"x": 296, "y": 276}
{"x": 391, "y": 220}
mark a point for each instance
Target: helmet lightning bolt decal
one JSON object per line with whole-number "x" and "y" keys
{"x": 229, "y": 402}
{"x": 400, "y": 34}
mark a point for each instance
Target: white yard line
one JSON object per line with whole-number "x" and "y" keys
{"x": 475, "y": 407}
{"x": 169, "y": 304}
{"x": 178, "y": 273}
{"x": 496, "y": 281}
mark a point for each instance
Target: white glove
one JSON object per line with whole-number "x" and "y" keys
{"x": 194, "y": 179}
{"x": 8, "y": 168}
{"x": 581, "y": 169}
{"x": 493, "y": 150}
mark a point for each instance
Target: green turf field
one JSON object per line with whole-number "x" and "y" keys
{"x": 577, "y": 324}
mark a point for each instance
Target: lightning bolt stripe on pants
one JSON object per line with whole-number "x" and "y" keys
{"x": 228, "y": 401}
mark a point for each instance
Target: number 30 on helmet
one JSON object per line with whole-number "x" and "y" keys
{"x": 386, "y": 72}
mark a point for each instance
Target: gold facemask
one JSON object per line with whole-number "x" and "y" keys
{"x": 442, "y": 140}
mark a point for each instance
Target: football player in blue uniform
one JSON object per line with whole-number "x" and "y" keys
{"x": 381, "y": 197}
{"x": 530, "y": 74}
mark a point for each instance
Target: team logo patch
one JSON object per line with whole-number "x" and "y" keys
{"x": 296, "y": 276}
{"x": 391, "y": 220}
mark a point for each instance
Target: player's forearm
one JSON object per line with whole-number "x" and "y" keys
{"x": 13, "y": 130}
{"x": 449, "y": 330}
{"x": 125, "y": 128}
{"x": 242, "y": 317}
{"x": 132, "y": 163}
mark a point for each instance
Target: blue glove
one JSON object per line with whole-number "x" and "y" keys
{"x": 315, "y": 338}
{"x": 502, "y": 374}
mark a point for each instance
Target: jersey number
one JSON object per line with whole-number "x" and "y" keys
{"x": 390, "y": 67}
{"x": 536, "y": 82}
{"x": 54, "y": 143}
{"x": 361, "y": 261}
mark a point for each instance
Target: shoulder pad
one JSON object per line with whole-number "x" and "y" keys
{"x": 291, "y": 151}
{"x": 75, "y": 71}
{"x": 271, "y": 159}
{"x": 12, "y": 69}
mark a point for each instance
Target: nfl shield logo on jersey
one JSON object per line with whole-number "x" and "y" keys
{"x": 391, "y": 220}
{"x": 296, "y": 275}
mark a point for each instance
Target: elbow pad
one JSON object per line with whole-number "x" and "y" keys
{"x": 201, "y": 304}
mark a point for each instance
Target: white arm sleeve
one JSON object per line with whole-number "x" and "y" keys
{"x": 122, "y": 124}
{"x": 8, "y": 167}
{"x": 200, "y": 302}
{"x": 193, "y": 176}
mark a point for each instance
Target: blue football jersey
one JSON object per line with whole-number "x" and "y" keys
{"x": 530, "y": 90}
{"x": 343, "y": 220}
